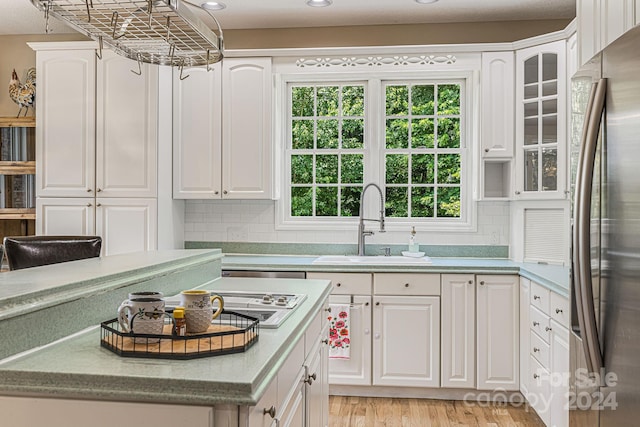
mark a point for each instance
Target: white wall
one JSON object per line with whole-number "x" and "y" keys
{"x": 254, "y": 221}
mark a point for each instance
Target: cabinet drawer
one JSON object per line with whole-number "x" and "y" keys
{"x": 312, "y": 335}
{"x": 346, "y": 283}
{"x": 406, "y": 284}
{"x": 539, "y": 323}
{"x": 559, "y": 306}
{"x": 539, "y": 389}
{"x": 540, "y": 297}
{"x": 539, "y": 349}
{"x": 288, "y": 374}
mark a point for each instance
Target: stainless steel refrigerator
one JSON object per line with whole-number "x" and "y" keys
{"x": 605, "y": 339}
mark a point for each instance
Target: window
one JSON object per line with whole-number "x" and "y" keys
{"x": 408, "y": 136}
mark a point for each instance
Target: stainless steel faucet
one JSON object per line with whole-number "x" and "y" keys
{"x": 362, "y": 233}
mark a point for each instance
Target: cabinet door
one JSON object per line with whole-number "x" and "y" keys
{"x": 261, "y": 414}
{"x": 65, "y": 216}
{"x": 197, "y": 133}
{"x": 617, "y": 17}
{"x": 126, "y": 225}
{"x": 497, "y": 104}
{"x": 246, "y": 128}
{"x": 458, "y": 330}
{"x": 559, "y": 360}
{"x": 497, "y": 332}
{"x": 588, "y": 15}
{"x": 65, "y": 123}
{"x": 126, "y": 128}
{"x": 525, "y": 324}
{"x": 293, "y": 414}
{"x": 357, "y": 369}
{"x": 541, "y": 122}
{"x": 316, "y": 390}
{"x": 406, "y": 344}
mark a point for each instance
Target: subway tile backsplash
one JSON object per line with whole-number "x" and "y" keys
{"x": 254, "y": 221}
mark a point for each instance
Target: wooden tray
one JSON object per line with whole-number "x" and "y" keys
{"x": 231, "y": 333}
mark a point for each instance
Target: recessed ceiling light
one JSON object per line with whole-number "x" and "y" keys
{"x": 213, "y": 5}
{"x": 426, "y": 1}
{"x": 319, "y": 3}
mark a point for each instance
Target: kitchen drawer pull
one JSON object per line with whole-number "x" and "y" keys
{"x": 558, "y": 310}
{"x": 366, "y": 304}
{"x": 310, "y": 379}
{"x": 482, "y": 283}
{"x": 536, "y": 297}
{"x": 216, "y": 192}
{"x": 471, "y": 282}
{"x": 547, "y": 328}
{"x": 406, "y": 285}
{"x": 325, "y": 341}
{"x": 271, "y": 411}
{"x": 88, "y": 190}
{"x": 328, "y": 309}
{"x": 536, "y": 349}
{"x": 536, "y": 376}
{"x": 536, "y": 323}
{"x": 378, "y": 303}
{"x": 98, "y": 190}
{"x": 88, "y": 205}
{"x": 338, "y": 284}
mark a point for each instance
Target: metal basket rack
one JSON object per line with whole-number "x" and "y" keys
{"x": 164, "y": 32}
{"x": 230, "y": 332}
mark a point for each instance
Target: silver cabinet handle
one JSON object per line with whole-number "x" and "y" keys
{"x": 486, "y": 150}
{"x": 310, "y": 379}
{"x": 328, "y": 309}
{"x": 547, "y": 328}
{"x": 471, "y": 282}
{"x": 378, "y": 303}
{"x": 325, "y": 341}
{"x": 271, "y": 411}
{"x": 536, "y": 376}
{"x": 558, "y": 310}
{"x": 517, "y": 192}
{"x": 98, "y": 204}
{"x": 225, "y": 192}
{"x": 98, "y": 190}
{"x": 536, "y": 323}
{"x": 536, "y": 297}
{"x": 366, "y": 304}
{"x": 89, "y": 205}
{"x": 376, "y": 336}
{"x": 536, "y": 349}
{"x": 482, "y": 283}
{"x": 89, "y": 190}
{"x": 216, "y": 192}
{"x": 406, "y": 285}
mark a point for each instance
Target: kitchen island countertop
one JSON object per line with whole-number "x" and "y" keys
{"x": 76, "y": 367}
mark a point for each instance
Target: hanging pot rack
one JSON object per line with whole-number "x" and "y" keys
{"x": 164, "y": 32}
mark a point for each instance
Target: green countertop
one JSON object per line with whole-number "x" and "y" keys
{"x": 77, "y": 367}
{"x": 553, "y": 277}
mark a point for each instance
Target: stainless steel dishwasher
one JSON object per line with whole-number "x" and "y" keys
{"x": 265, "y": 274}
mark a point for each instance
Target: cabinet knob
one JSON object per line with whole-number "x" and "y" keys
{"x": 482, "y": 283}
{"x": 88, "y": 190}
{"x": 216, "y": 192}
{"x": 328, "y": 309}
{"x": 517, "y": 192}
{"x": 98, "y": 204}
{"x": 406, "y": 285}
{"x": 536, "y": 349}
{"x": 225, "y": 192}
{"x": 98, "y": 190}
{"x": 271, "y": 411}
{"x": 310, "y": 379}
{"x": 89, "y": 205}
{"x": 536, "y": 323}
{"x": 378, "y": 303}
{"x": 367, "y": 331}
{"x": 547, "y": 328}
{"x": 325, "y": 341}
{"x": 536, "y": 297}
{"x": 558, "y": 310}
{"x": 486, "y": 150}
{"x": 366, "y": 304}
{"x": 376, "y": 336}
{"x": 338, "y": 284}
{"x": 536, "y": 376}
{"x": 471, "y": 282}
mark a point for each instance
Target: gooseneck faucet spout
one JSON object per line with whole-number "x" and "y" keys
{"x": 362, "y": 233}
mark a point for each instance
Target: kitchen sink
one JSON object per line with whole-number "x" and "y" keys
{"x": 371, "y": 260}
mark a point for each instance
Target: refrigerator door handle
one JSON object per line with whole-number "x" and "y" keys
{"x": 582, "y": 233}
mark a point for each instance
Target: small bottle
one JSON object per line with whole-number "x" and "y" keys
{"x": 180, "y": 323}
{"x": 413, "y": 245}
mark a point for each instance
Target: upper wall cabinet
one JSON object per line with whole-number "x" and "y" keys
{"x": 497, "y": 104}
{"x": 602, "y": 21}
{"x": 541, "y": 121}
{"x": 223, "y": 131}
{"x": 96, "y": 126}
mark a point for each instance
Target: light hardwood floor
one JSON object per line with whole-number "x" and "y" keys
{"x": 387, "y": 412}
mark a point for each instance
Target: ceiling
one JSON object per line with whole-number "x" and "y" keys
{"x": 21, "y": 17}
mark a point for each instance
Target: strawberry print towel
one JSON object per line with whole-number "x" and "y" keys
{"x": 339, "y": 337}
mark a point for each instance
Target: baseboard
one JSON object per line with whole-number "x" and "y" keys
{"x": 470, "y": 395}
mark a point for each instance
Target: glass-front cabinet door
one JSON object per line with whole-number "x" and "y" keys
{"x": 540, "y": 121}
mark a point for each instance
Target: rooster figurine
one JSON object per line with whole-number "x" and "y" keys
{"x": 23, "y": 94}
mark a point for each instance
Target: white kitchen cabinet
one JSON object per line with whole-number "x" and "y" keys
{"x": 96, "y": 130}
{"x": 525, "y": 324}
{"x": 357, "y": 369}
{"x": 125, "y": 225}
{"x": 263, "y": 414}
{"x": 600, "y": 22}
{"x": 223, "y": 144}
{"x": 458, "y": 302}
{"x": 497, "y": 86}
{"x": 559, "y": 367}
{"x": 406, "y": 341}
{"x": 541, "y": 135}
{"x": 497, "y": 302}
{"x": 317, "y": 385}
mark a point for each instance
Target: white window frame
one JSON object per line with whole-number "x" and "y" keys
{"x": 374, "y": 134}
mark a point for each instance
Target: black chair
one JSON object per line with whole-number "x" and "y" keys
{"x": 33, "y": 251}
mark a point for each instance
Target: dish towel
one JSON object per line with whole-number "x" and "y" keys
{"x": 339, "y": 337}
